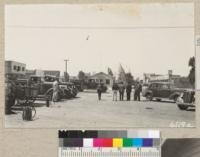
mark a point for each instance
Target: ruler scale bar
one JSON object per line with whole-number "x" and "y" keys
{"x": 110, "y": 153}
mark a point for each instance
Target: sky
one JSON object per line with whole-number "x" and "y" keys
{"x": 143, "y": 38}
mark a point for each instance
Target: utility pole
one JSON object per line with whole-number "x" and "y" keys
{"x": 66, "y": 75}
{"x": 66, "y": 64}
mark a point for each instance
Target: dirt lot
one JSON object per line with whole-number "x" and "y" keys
{"x": 86, "y": 111}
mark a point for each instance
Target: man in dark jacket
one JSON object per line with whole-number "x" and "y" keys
{"x": 10, "y": 96}
{"x": 128, "y": 91}
{"x": 138, "y": 90}
{"x": 121, "y": 91}
{"x": 99, "y": 91}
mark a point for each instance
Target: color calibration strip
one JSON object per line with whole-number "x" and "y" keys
{"x": 133, "y": 143}
{"x": 109, "y": 142}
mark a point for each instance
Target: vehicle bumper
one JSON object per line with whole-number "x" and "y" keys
{"x": 186, "y": 104}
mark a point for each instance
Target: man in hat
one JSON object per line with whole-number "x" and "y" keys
{"x": 99, "y": 91}
{"x": 128, "y": 91}
{"x": 55, "y": 90}
{"x": 115, "y": 89}
{"x": 121, "y": 91}
{"x": 138, "y": 90}
{"x": 10, "y": 95}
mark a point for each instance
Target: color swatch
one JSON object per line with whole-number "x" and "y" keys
{"x": 108, "y": 142}
{"x": 109, "y": 134}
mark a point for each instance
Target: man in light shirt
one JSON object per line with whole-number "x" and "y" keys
{"x": 55, "y": 91}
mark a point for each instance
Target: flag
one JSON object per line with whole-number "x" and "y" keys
{"x": 122, "y": 74}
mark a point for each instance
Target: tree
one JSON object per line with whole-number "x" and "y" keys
{"x": 81, "y": 76}
{"x": 129, "y": 77}
{"x": 191, "y": 75}
{"x": 110, "y": 72}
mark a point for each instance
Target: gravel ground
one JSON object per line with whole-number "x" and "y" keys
{"x": 86, "y": 111}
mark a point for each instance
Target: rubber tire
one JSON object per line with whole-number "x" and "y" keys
{"x": 49, "y": 95}
{"x": 158, "y": 100}
{"x": 182, "y": 107}
{"x": 149, "y": 97}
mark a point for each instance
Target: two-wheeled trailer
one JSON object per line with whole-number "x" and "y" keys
{"x": 26, "y": 97}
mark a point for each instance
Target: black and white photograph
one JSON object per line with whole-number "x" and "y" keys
{"x": 197, "y": 50}
{"x": 99, "y": 65}
{"x": 183, "y": 147}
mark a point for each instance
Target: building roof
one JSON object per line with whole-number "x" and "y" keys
{"x": 16, "y": 62}
{"x": 101, "y": 75}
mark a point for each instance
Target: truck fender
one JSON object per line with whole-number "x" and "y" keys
{"x": 49, "y": 90}
{"x": 148, "y": 92}
{"x": 174, "y": 95}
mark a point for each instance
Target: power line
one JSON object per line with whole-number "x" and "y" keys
{"x": 98, "y": 27}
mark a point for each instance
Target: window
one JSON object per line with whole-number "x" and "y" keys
{"x": 15, "y": 67}
{"x": 23, "y": 68}
{"x": 160, "y": 86}
{"x": 154, "y": 85}
{"x": 164, "y": 86}
{"x": 91, "y": 80}
{"x": 18, "y": 68}
{"x": 107, "y": 81}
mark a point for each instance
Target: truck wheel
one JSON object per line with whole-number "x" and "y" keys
{"x": 149, "y": 97}
{"x": 182, "y": 107}
{"x": 49, "y": 95}
{"x": 158, "y": 99}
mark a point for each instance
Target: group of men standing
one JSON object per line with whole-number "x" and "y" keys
{"x": 121, "y": 88}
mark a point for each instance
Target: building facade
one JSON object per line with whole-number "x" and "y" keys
{"x": 148, "y": 78}
{"x": 176, "y": 80}
{"x": 52, "y": 72}
{"x": 37, "y": 72}
{"x": 101, "y": 77}
{"x": 15, "y": 69}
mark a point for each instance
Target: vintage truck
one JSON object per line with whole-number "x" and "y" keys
{"x": 45, "y": 87}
